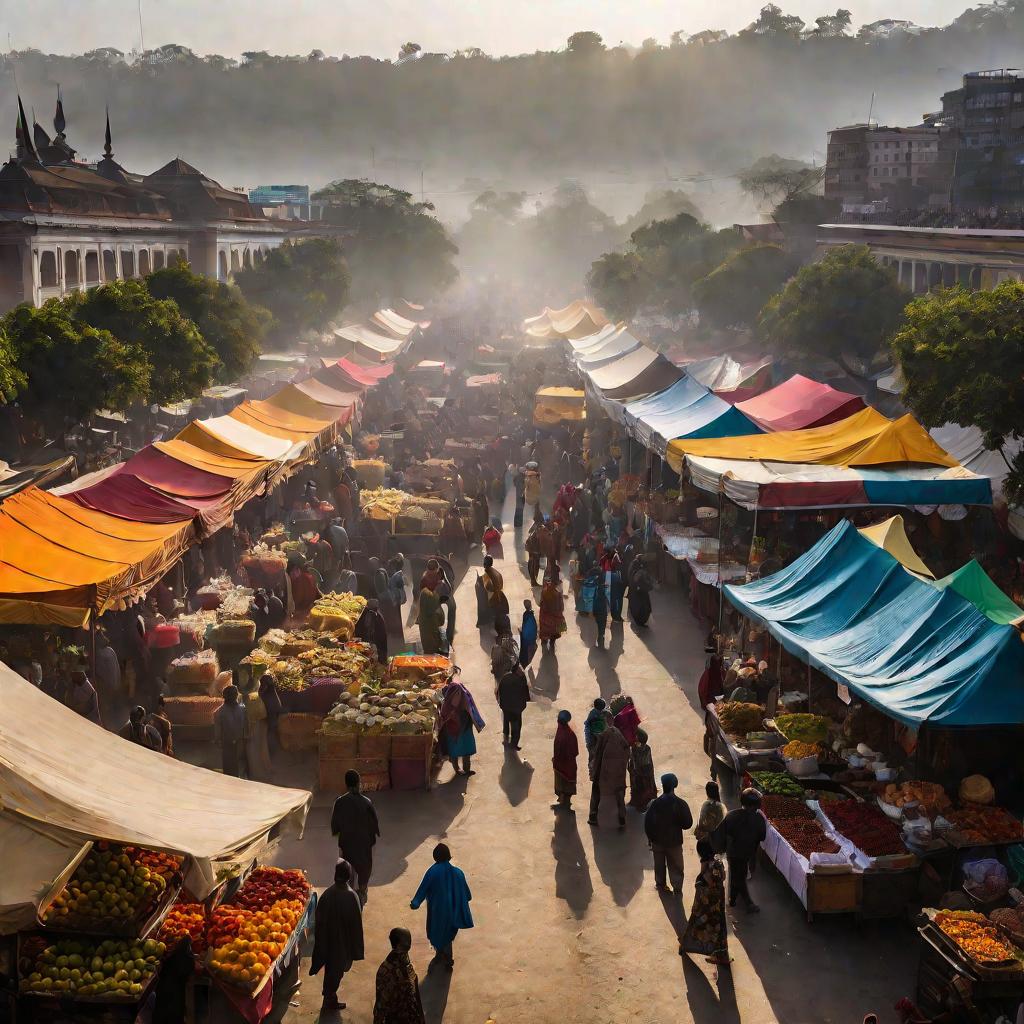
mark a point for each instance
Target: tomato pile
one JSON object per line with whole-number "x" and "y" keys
{"x": 779, "y": 808}
{"x": 806, "y": 836}
{"x": 266, "y": 886}
{"x": 866, "y": 827}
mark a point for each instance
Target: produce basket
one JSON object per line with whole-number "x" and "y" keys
{"x": 298, "y": 732}
{"x": 191, "y": 711}
{"x": 369, "y": 745}
{"x": 194, "y": 671}
{"x": 374, "y": 774}
{"x": 338, "y": 745}
{"x": 233, "y": 631}
{"x": 369, "y": 472}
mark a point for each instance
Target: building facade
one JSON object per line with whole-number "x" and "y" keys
{"x": 66, "y": 225}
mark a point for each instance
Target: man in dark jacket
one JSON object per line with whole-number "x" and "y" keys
{"x": 513, "y": 694}
{"x": 372, "y": 628}
{"x": 354, "y": 822}
{"x": 740, "y": 834}
{"x": 338, "y": 936}
{"x": 666, "y": 819}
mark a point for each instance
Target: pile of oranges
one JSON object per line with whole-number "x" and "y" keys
{"x": 244, "y": 944}
{"x": 185, "y": 919}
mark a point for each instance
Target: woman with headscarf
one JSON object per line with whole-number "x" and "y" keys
{"x": 338, "y": 934}
{"x": 381, "y": 589}
{"x": 642, "y": 787}
{"x": 640, "y": 586}
{"x": 527, "y": 635}
{"x": 566, "y": 752}
{"x": 627, "y": 721}
{"x": 430, "y": 618}
{"x": 552, "y": 611}
{"x": 706, "y": 930}
{"x": 457, "y": 720}
{"x": 611, "y": 568}
{"x": 598, "y": 591}
{"x": 447, "y": 897}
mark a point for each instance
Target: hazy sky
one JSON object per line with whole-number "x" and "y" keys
{"x": 379, "y": 27}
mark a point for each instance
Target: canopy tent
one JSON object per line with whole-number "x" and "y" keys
{"x": 972, "y": 583}
{"x": 723, "y": 373}
{"x": 918, "y": 652}
{"x": 340, "y": 379}
{"x": 640, "y": 372}
{"x": 967, "y": 446}
{"x": 126, "y": 496}
{"x": 781, "y": 485}
{"x": 619, "y": 343}
{"x": 54, "y": 553}
{"x": 559, "y": 405}
{"x": 396, "y": 324}
{"x": 595, "y": 340}
{"x": 278, "y": 422}
{"x": 798, "y": 403}
{"x": 891, "y": 536}
{"x": 371, "y": 343}
{"x": 40, "y": 469}
{"x": 866, "y": 438}
{"x": 134, "y": 795}
{"x": 222, "y": 435}
{"x": 577, "y": 320}
{"x": 366, "y": 375}
{"x": 687, "y": 409}
{"x": 308, "y": 398}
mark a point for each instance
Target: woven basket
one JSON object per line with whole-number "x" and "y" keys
{"x": 374, "y": 746}
{"x": 299, "y": 732}
{"x": 338, "y": 745}
{"x": 191, "y": 711}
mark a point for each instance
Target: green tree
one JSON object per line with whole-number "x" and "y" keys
{"x": 396, "y": 248}
{"x": 961, "y": 355}
{"x": 228, "y": 324}
{"x": 617, "y": 282}
{"x": 845, "y": 305}
{"x": 661, "y": 205}
{"x": 182, "y": 363}
{"x": 70, "y": 369}
{"x": 831, "y": 26}
{"x": 774, "y": 180}
{"x": 303, "y": 284}
{"x": 12, "y": 380}
{"x": 773, "y": 23}
{"x": 585, "y": 43}
{"x": 733, "y": 294}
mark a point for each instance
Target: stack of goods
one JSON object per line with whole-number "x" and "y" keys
{"x": 866, "y": 827}
{"x": 234, "y": 603}
{"x": 237, "y": 632}
{"x": 978, "y": 825}
{"x": 192, "y": 628}
{"x": 778, "y": 783}
{"x": 275, "y": 536}
{"x": 337, "y": 613}
{"x": 369, "y": 472}
{"x": 387, "y": 709}
{"x": 977, "y": 937}
{"x": 246, "y": 936}
{"x": 195, "y": 710}
{"x": 431, "y": 670}
{"x": 279, "y": 643}
{"x": 162, "y": 635}
{"x": 795, "y": 750}
{"x": 805, "y": 727}
{"x": 414, "y": 518}
{"x": 194, "y": 672}
{"x": 930, "y": 797}
{"x": 382, "y": 502}
{"x": 212, "y": 594}
{"x": 738, "y": 718}
{"x": 796, "y": 823}
{"x": 88, "y": 969}
{"x": 265, "y": 566}
{"x": 181, "y": 920}
{"x": 114, "y": 891}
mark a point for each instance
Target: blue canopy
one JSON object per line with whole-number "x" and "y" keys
{"x": 687, "y": 409}
{"x": 917, "y": 652}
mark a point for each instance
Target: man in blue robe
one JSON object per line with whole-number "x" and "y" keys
{"x": 447, "y": 895}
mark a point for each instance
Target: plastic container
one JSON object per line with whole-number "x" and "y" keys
{"x": 163, "y": 635}
{"x": 801, "y": 767}
{"x": 885, "y": 774}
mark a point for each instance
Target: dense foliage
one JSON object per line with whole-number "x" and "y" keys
{"x": 962, "y": 358}
{"x": 734, "y": 293}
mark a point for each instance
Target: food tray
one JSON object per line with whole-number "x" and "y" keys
{"x": 992, "y": 970}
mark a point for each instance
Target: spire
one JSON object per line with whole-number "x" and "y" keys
{"x": 59, "y": 123}
{"x": 39, "y": 136}
{"x": 26, "y": 151}
{"x": 108, "y": 153}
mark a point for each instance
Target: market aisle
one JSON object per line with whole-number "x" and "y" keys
{"x": 568, "y": 924}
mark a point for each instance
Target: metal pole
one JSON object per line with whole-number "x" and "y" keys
{"x": 92, "y": 643}
{"x": 750, "y": 550}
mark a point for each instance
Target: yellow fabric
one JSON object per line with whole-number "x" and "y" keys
{"x": 557, "y": 405}
{"x": 574, "y": 393}
{"x": 291, "y": 399}
{"x": 37, "y": 613}
{"x": 865, "y": 439}
{"x": 201, "y": 437}
{"x": 277, "y": 422}
{"x": 235, "y": 468}
{"x": 892, "y": 536}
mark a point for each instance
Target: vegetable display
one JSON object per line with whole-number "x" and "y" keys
{"x": 780, "y": 808}
{"x": 803, "y": 726}
{"x": 930, "y": 795}
{"x": 806, "y": 836}
{"x": 797, "y": 749}
{"x": 779, "y": 783}
{"x": 181, "y": 920}
{"x": 979, "y": 824}
{"x": 739, "y": 718}
{"x": 975, "y": 935}
{"x": 866, "y": 827}
{"x": 108, "y": 969}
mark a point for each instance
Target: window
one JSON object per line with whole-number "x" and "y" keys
{"x": 109, "y": 265}
{"x": 47, "y": 270}
{"x": 92, "y": 268}
{"x": 874, "y": 171}
{"x": 127, "y": 263}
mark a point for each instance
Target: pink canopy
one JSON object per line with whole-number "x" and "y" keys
{"x": 799, "y": 403}
{"x": 368, "y": 374}
{"x": 127, "y": 497}
{"x": 178, "y": 479}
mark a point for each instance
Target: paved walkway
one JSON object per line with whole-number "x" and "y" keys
{"x": 569, "y": 927}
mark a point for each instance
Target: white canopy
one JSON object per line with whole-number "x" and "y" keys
{"x": 74, "y": 781}
{"x": 248, "y": 439}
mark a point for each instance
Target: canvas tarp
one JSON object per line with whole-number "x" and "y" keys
{"x": 278, "y": 422}
{"x": 971, "y": 582}
{"x": 592, "y": 341}
{"x": 234, "y": 467}
{"x": 55, "y": 552}
{"x": 39, "y": 469}
{"x": 641, "y": 372}
{"x": 798, "y": 403}
{"x": 619, "y": 343}
{"x": 917, "y": 652}
{"x": 367, "y": 375}
{"x": 132, "y": 795}
{"x": 891, "y": 535}
{"x": 687, "y": 409}
{"x": 370, "y": 341}
{"x": 340, "y": 379}
{"x": 967, "y": 446}
{"x": 125, "y": 495}
{"x": 780, "y": 485}
{"x": 577, "y": 320}
{"x": 558, "y": 405}
{"x": 723, "y": 373}
{"x": 396, "y": 324}
{"x": 866, "y": 438}
{"x": 222, "y": 435}
{"x": 294, "y": 398}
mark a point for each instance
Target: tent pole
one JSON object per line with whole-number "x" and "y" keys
{"x": 92, "y": 643}
{"x": 750, "y": 550}
{"x": 721, "y": 592}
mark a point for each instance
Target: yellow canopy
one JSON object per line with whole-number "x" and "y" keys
{"x": 892, "y": 536}
{"x": 559, "y": 405}
{"x": 577, "y": 320}
{"x": 865, "y": 439}
{"x": 277, "y": 422}
{"x": 292, "y": 400}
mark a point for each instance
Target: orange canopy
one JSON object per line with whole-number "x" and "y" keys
{"x": 291, "y": 399}
{"x": 277, "y": 422}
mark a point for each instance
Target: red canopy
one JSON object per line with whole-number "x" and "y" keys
{"x": 176, "y": 478}
{"x": 126, "y": 496}
{"x": 340, "y": 379}
{"x": 799, "y": 403}
{"x": 371, "y": 374}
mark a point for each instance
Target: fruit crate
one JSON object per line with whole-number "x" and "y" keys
{"x": 373, "y": 772}
{"x": 139, "y": 927}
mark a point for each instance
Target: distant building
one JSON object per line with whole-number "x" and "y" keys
{"x": 983, "y": 144}
{"x": 294, "y": 197}
{"x": 868, "y": 164}
{"x": 66, "y": 225}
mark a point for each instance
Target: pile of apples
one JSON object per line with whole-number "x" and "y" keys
{"x": 247, "y": 936}
{"x": 111, "y": 889}
{"x": 110, "y": 969}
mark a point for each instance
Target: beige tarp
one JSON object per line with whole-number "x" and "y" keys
{"x": 82, "y": 782}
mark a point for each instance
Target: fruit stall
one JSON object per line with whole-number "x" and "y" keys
{"x": 737, "y": 736}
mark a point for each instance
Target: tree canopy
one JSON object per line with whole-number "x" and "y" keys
{"x": 12, "y": 379}
{"x": 229, "y": 325}
{"x": 845, "y": 305}
{"x": 733, "y": 294}
{"x": 961, "y": 354}
{"x": 303, "y": 284}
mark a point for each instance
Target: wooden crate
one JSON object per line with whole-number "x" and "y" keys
{"x": 374, "y": 773}
{"x": 335, "y": 745}
{"x": 374, "y": 746}
{"x": 833, "y": 894}
{"x": 298, "y": 732}
{"x": 404, "y": 747}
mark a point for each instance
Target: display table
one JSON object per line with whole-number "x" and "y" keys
{"x": 737, "y": 757}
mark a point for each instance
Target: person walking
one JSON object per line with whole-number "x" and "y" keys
{"x": 640, "y": 586}
{"x": 611, "y": 758}
{"x": 447, "y": 895}
{"x": 81, "y": 697}
{"x": 512, "y": 694}
{"x": 430, "y": 618}
{"x": 566, "y": 753}
{"x": 664, "y": 823}
{"x": 139, "y": 731}
{"x": 537, "y": 542}
{"x": 706, "y": 930}
{"x": 230, "y": 731}
{"x": 599, "y": 608}
{"x": 519, "y": 483}
{"x": 642, "y": 787}
{"x": 458, "y": 718}
{"x": 593, "y": 726}
{"x": 711, "y": 814}
{"x": 354, "y": 823}
{"x": 398, "y": 989}
{"x": 527, "y": 635}
{"x": 740, "y": 834}
{"x": 159, "y": 720}
{"x": 552, "y": 612}
{"x": 372, "y": 629}
{"x": 338, "y": 935}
